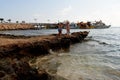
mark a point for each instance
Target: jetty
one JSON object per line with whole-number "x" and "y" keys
{"x": 16, "y": 51}
{"x": 27, "y": 26}
{"x": 16, "y": 26}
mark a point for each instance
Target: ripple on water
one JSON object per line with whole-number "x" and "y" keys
{"x": 86, "y": 68}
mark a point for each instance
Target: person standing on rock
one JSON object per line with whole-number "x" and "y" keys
{"x": 60, "y": 25}
{"x": 68, "y": 27}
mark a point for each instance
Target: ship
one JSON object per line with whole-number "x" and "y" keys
{"x": 93, "y": 25}
{"x": 99, "y": 25}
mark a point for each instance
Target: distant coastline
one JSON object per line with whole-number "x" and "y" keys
{"x": 28, "y": 26}
{"x": 16, "y": 26}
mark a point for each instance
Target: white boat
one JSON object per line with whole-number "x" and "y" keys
{"x": 99, "y": 25}
{"x": 73, "y": 26}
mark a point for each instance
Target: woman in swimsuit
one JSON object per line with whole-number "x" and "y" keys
{"x": 60, "y": 29}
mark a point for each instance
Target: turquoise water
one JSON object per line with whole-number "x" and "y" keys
{"x": 96, "y": 58}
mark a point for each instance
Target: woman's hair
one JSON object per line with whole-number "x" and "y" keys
{"x": 60, "y": 23}
{"x": 67, "y": 22}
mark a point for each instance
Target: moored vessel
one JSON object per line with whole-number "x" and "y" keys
{"x": 93, "y": 25}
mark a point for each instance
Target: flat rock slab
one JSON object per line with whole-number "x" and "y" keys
{"x": 38, "y": 45}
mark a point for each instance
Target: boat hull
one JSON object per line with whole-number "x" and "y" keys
{"x": 101, "y": 27}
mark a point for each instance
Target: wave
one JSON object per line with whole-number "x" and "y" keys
{"x": 90, "y": 38}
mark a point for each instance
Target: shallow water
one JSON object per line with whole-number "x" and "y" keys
{"x": 96, "y": 58}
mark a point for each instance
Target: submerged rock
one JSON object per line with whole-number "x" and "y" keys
{"x": 21, "y": 70}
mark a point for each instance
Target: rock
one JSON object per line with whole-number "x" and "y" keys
{"x": 41, "y": 46}
{"x": 65, "y": 43}
{"x": 9, "y": 48}
{"x": 2, "y": 74}
{"x": 25, "y": 72}
{"x": 16, "y": 26}
{"x": 12, "y": 65}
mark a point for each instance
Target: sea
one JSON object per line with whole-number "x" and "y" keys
{"x": 95, "y": 58}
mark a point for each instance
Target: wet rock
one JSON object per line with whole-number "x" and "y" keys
{"x": 43, "y": 75}
{"x": 9, "y": 49}
{"x": 2, "y": 74}
{"x": 55, "y": 44}
{"x": 84, "y": 34}
{"x": 42, "y": 46}
{"x": 14, "y": 36}
{"x": 25, "y": 72}
{"x": 10, "y": 77}
{"x": 65, "y": 43}
{"x": 75, "y": 39}
{"x": 18, "y": 69}
{"x": 34, "y": 48}
{"x": 6, "y": 66}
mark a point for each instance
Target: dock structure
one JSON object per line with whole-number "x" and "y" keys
{"x": 45, "y": 25}
{"x": 16, "y": 26}
{"x": 26, "y": 26}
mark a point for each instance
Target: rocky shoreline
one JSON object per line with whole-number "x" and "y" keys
{"x": 17, "y": 51}
{"x": 16, "y": 26}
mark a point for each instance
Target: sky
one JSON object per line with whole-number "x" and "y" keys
{"x": 59, "y": 10}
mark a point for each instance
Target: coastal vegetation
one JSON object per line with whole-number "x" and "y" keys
{"x": 1, "y": 20}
